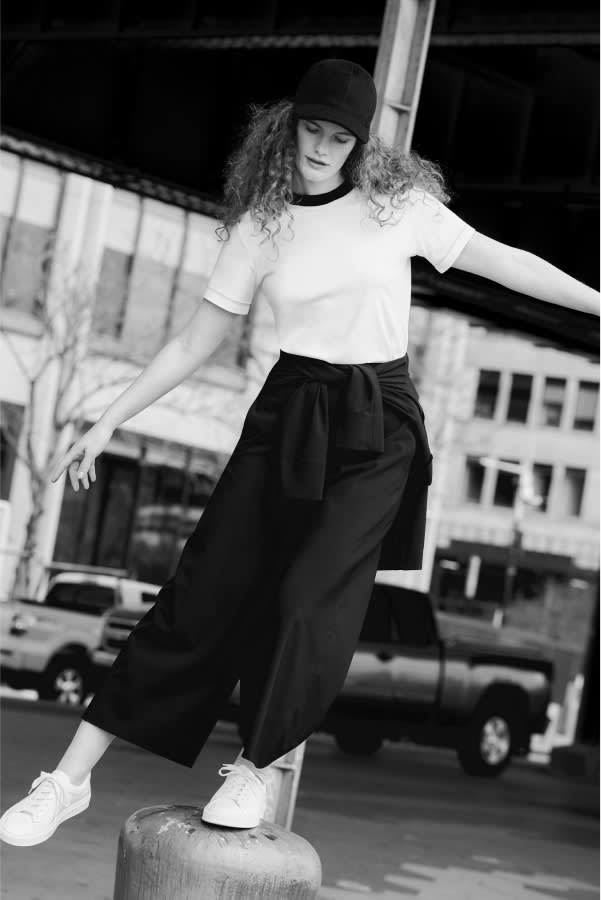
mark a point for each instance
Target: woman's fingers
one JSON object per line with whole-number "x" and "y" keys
{"x": 84, "y": 466}
{"x": 73, "y": 467}
{"x": 79, "y": 463}
{"x": 65, "y": 462}
{"x": 78, "y": 474}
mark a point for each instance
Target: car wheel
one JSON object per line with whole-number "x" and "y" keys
{"x": 66, "y": 680}
{"x": 488, "y": 742}
{"x": 359, "y": 742}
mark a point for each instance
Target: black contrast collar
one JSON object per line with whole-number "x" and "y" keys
{"x": 319, "y": 199}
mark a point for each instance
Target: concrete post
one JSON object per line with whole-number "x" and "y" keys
{"x": 169, "y": 852}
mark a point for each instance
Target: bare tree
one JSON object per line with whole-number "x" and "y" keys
{"x": 60, "y": 383}
{"x": 70, "y": 379}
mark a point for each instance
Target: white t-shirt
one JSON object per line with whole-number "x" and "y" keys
{"x": 340, "y": 286}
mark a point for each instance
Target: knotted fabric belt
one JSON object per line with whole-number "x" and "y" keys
{"x": 359, "y": 426}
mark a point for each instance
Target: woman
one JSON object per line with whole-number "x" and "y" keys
{"x": 328, "y": 480}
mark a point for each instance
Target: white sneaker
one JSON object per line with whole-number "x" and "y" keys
{"x": 240, "y": 802}
{"x": 51, "y": 799}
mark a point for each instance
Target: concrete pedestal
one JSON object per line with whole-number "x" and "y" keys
{"x": 169, "y": 852}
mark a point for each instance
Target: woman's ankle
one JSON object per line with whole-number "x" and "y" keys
{"x": 76, "y": 778}
{"x": 242, "y": 759}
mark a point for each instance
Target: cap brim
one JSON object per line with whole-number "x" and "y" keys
{"x": 329, "y": 114}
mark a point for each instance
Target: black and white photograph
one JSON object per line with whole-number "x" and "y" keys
{"x": 299, "y": 450}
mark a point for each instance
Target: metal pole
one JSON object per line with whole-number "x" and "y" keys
{"x": 513, "y": 552}
{"x": 398, "y": 72}
{"x": 524, "y": 496}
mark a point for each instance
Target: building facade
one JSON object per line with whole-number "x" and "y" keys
{"x": 122, "y": 274}
{"x": 521, "y": 403}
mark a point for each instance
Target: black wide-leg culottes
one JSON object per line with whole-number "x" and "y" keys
{"x": 270, "y": 590}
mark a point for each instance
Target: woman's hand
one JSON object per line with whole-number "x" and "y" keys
{"x": 79, "y": 459}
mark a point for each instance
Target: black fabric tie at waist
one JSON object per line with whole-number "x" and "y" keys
{"x": 295, "y": 394}
{"x": 305, "y": 420}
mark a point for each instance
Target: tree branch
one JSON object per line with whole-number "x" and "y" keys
{"x": 18, "y": 359}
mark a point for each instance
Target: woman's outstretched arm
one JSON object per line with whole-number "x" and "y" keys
{"x": 525, "y": 272}
{"x": 174, "y": 362}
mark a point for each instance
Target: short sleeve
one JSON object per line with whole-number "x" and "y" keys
{"x": 232, "y": 283}
{"x": 437, "y": 233}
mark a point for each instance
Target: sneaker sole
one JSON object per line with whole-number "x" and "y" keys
{"x": 229, "y": 820}
{"x": 73, "y": 810}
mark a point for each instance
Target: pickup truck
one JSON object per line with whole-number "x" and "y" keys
{"x": 47, "y": 645}
{"x": 483, "y": 697}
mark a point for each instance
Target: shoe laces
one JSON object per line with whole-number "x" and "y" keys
{"x": 46, "y": 786}
{"x": 248, "y": 778}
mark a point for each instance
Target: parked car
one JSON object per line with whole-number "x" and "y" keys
{"x": 47, "y": 645}
{"x": 483, "y": 697}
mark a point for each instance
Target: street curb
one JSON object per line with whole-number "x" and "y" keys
{"x": 49, "y": 706}
{"x": 576, "y": 760}
{"x": 45, "y": 706}
{"x": 62, "y": 709}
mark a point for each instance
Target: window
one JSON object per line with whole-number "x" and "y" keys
{"x": 553, "y": 400}
{"x": 11, "y": 167}
{"x": 93, "y": 599}
{"x": 486, "y": 398}
{"x": 505, "y": 486}
{"x": 113, "y": 525}
{"x": 29, "y": 232}
{"x": 94, "y": 526}
{"x": 111, "y": 294}
{"x": 11, "y": 422}
{"x": 200, "y": 253}
{"x": 542, "y": 483}
{"x": 139, "y": 514}
{"x": 156, "y": 264}
{"x": 519, "y": 398}
{"x": 123, "y": 234}
{"x": 586, "y": 406}
{"x": 491, "y": 583}
{"x": 474, "y": 479}
{"x": 573, "y": 491}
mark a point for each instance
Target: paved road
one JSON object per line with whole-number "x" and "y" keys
{"x": 405, "y": 824}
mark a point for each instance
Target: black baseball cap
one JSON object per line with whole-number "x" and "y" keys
{"x": 340, "y": 91}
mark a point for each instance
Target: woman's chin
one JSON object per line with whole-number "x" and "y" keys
{"x": 312, "y": 178}
{"x": 315, "y": 179}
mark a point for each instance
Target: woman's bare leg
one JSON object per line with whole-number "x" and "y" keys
{"x": 87, "y": 746}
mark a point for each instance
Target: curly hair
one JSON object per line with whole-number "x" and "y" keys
{"x": 259, "y": 172}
